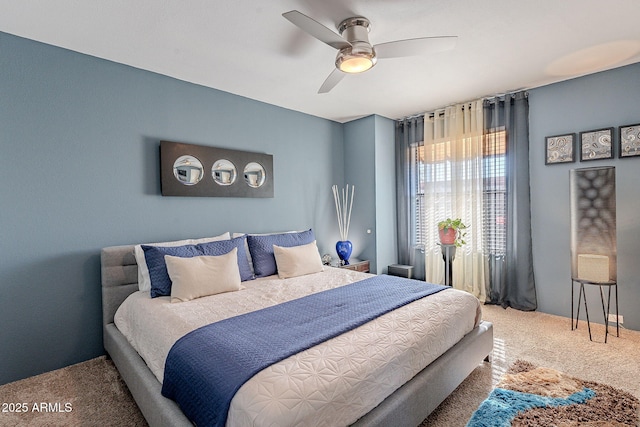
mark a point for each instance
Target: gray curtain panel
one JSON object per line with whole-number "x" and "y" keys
{"x": 409, "y": 133}
{"x": 511, "y": 280}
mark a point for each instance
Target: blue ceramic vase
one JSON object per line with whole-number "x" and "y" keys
{"x": 344, "y": 248}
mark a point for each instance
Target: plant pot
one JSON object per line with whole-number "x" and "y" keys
{"x": 447, "y": 236}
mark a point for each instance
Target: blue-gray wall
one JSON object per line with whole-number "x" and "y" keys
{"x": 79, "y": 140}
{"x": 596, "y": 101}
{"x": 359, "y": 161}
{"x": 370, "y": 165}
{"x": 385, "y": 193}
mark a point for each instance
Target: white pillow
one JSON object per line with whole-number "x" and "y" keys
{"x": 297, "y": 260}
{"x": 201, "y": 276}
{"x": 144, "y": 281}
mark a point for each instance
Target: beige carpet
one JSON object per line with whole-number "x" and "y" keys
{"x": 92, "y": 394}
{"x": 544, "y": 340}
{"x": 86, "y": 394}
{"x": 536, "y": 396}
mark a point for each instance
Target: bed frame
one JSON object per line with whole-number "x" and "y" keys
{"x": 407, "y": 406}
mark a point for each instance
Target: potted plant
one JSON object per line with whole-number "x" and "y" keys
{"x": 452, "y": 232}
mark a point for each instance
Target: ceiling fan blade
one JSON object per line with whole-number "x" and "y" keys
{"x": 412, "y": 47}
{"x": 316, "y": 29}
{"x": 331, "y": 81}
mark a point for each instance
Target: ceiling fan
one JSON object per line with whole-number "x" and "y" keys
{"x": 355, "y": 52}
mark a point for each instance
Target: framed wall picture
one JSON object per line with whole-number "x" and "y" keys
{"x": 629, "y": 141}
{"x": 596, "y": 144}
{"x": 204, "y": 171}
{"x": 560, "y": 149}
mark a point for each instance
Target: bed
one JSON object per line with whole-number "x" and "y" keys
{"x": 403, "y": 404}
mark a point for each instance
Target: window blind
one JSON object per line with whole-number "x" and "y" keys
{"x": 494, "y": 192}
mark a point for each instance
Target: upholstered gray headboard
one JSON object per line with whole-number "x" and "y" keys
{"x": 119, "y": 278}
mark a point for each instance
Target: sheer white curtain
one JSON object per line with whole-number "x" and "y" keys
{"x": 452, "y": 185}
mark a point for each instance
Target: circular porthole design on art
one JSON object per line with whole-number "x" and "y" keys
{"x": 254, "y": 175}
{"x": 224, "y": 172}
{"x": 188, "y": 170}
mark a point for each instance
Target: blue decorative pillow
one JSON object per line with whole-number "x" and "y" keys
{"x": 154, "y": 256}
{"x": 222, "y": 247}
{"x": 261, "y": 249}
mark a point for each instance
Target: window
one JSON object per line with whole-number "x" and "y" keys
{"x": 494, "y": 200}
{"x": 417, "y": 160}
{"x": 433, "y": 169}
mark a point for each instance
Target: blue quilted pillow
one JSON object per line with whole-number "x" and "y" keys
{"x": 261, "y": 249}
{"x": 154, "y": 256}
{"x": 222, "y": 247}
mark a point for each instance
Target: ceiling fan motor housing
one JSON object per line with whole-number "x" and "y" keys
{"x": 360, "y": 56}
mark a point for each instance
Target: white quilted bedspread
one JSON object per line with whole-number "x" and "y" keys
{"x": 332, "y": 384}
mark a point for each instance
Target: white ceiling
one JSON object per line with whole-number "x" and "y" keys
{"x": 247, "y": 48}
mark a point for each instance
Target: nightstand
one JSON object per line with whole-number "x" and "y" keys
{"x": 356, "y": 265}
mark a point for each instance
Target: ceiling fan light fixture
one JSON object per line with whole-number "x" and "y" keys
{"x": 352, "y": 62}
{"x": 360, "y": 56}
{"x": 355, "y": 53}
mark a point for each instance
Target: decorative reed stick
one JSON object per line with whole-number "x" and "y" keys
{"x": 344, "y": 206}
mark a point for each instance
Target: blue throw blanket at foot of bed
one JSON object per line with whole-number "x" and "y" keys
{"x": 205, "y": 368}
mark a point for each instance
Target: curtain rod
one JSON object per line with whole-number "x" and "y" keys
{"x": 501, "y": 96}
{"x": 491, "y": 99}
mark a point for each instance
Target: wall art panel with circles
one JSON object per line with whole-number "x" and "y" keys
{"x": 204, "y": 171}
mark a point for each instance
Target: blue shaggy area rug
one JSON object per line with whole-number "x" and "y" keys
{"x": 532, "y": 396}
